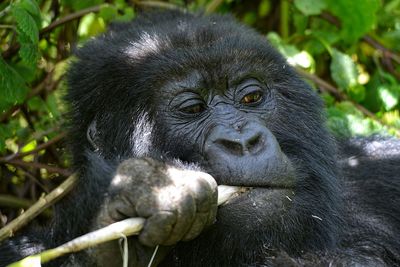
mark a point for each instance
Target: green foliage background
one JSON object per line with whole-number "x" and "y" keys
{"x": 349, "y": 51}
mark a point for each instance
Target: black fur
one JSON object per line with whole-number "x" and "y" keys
{"x": 345, "y": 208}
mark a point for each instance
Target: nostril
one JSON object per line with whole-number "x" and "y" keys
{"x": 232, "y": 146}
{"x": 254, "y": 143}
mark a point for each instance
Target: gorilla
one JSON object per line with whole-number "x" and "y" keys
{"x": 167, "y": 107}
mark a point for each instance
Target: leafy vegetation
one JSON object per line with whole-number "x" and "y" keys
{"x": 349, "y": 51}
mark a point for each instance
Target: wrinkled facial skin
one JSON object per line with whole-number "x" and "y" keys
{"x": 228, "y": 131}
{"x": 224, "y": 128}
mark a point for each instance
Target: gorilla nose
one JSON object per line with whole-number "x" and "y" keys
{"x": 242, "y": 144}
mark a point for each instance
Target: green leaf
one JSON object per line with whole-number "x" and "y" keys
{"x": 357, "y": 16}
{"x": 343, "y": 70}
{"x": 53, "y": 106}
{"x": 357, "y": 92}
{"x": 389, "y": 95}
{"x": 32, "y": 8}
{"x": 36, "y": 103}
{"x": 25, "y": 23}
{"x": 108, "y": 12}
{"x": 28, "y": 51}
{"x": 250, "y": 18}
{"x": 128, "y": 14}
{"x": 4, "y": 134}
{"x": 264, "y": 8}
{"x": 310, "y": 7}
{"x": 25, "y": 70}
{"x": 79, "y": 4}
{"x": 12, "y": 86}
{"x": 90, "y": 25}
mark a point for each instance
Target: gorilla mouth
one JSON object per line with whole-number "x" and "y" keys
{"x": 226, "y": 193}
{"x": 230, "y": 194}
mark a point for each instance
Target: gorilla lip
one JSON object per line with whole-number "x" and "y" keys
{"x": 228, "y": 194}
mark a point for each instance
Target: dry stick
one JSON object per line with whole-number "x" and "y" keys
{"x": 36, "y": 165}
{"x": 42, "y": 204}
{"x": 127, "y": 227}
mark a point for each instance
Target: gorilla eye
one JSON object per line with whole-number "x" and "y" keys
{"x": 251, "y": 98}
{"x": 193, "y": 109}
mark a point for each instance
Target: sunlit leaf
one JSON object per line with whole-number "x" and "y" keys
{"x": 343, "y": 70}
{"x": 91, "y": 25}
{"x": 310, "y": 7}
{"x": 357, "y": 17}
{"x": 389, "y": 96}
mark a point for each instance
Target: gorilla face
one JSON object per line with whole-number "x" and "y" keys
{"x": 225, "y": 131}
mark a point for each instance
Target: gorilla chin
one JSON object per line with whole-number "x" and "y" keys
{"x": 255, "y": 205}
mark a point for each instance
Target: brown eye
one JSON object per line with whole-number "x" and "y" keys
{"x": 193, "y": 109}
{"x": 251, "y": 98}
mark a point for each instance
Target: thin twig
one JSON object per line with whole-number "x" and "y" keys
{"x": 36, "y": 165}
{"x": 340, "y": 96}
{"x": 37, "y": 149}
{"x": 333, "y": 90}
{"x": 70, "y": 17}
{"x": 42, "y": 204}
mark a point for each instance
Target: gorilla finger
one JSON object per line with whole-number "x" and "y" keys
{"x": 146, "y": 206}
{"x": 121, "y": 209}
{"x": 197, "y": 227}
{"x": 185, "y": 218}
{"x": 212, "y": 215}
{"x": 203, "y": 194}
{"x": 157, "y": 228}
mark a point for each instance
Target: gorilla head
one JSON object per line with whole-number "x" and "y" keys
{"x": 212, "y": 94}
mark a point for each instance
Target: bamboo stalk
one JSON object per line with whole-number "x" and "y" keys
{"x": 127, "y": 227}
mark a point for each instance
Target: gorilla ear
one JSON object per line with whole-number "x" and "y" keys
{"x": 91, "y": 135}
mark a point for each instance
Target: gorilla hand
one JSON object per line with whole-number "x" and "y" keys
{"x": 177, "y": 204}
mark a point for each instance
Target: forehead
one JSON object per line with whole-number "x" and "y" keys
{"x": 197, "y": 53}
{"x": 220, "y": 60}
